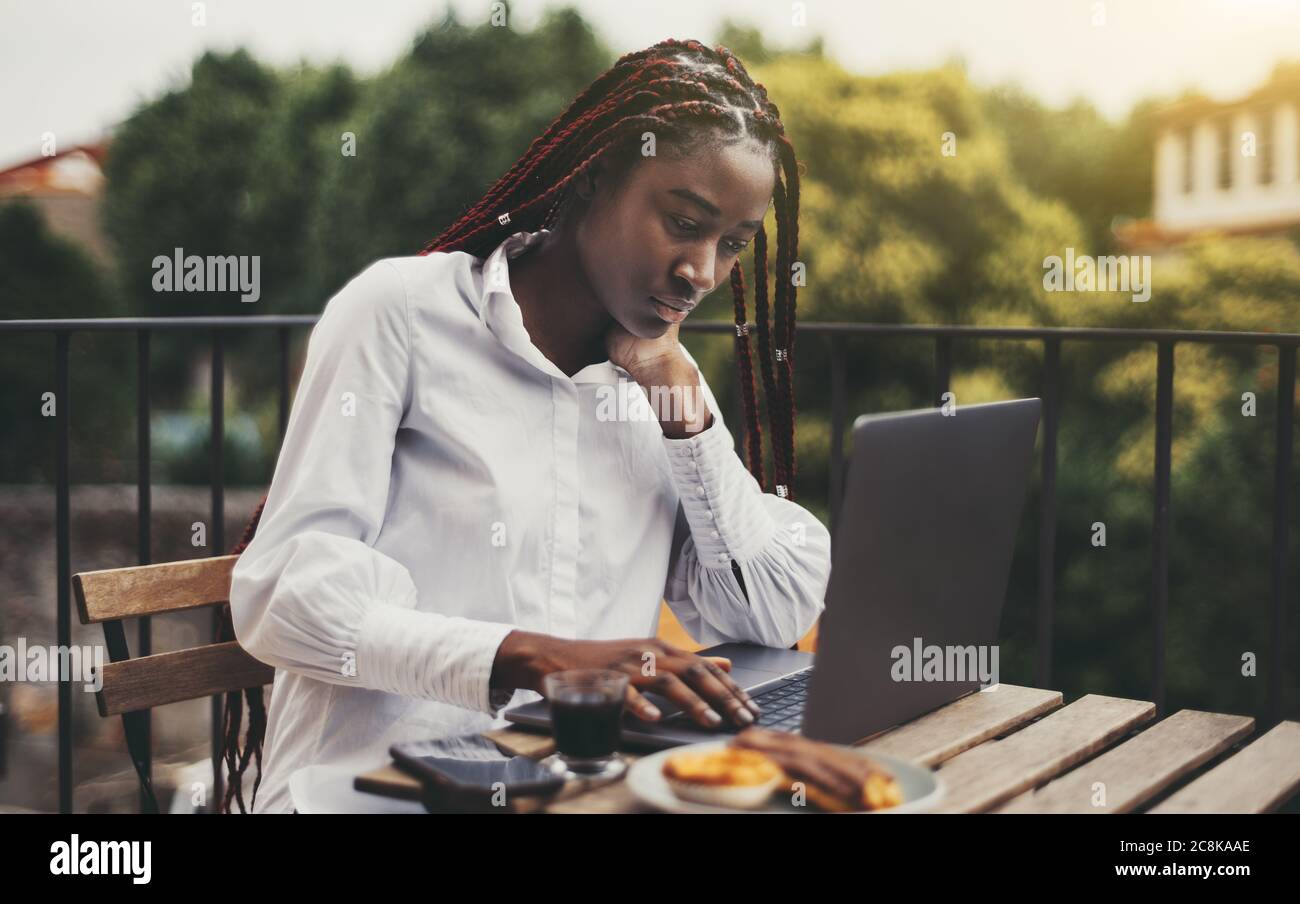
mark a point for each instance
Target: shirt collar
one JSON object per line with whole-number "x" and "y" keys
{"x": 496, "y": 270}
{"x": 496, "y": 282}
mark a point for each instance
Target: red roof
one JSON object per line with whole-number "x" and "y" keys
{"x": 37, "y": 174}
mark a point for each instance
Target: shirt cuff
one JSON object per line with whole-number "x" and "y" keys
{"x": 430, "y": 656}
{"x": 722, "y": 500}
{"x": 499, "y": 699}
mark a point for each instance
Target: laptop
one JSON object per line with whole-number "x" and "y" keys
{"x": 921, "y": 560}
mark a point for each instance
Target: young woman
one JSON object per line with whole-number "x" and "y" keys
{"x": 465, "y": 502}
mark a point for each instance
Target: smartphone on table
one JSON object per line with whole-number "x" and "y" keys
{"x": 469, "y": 773}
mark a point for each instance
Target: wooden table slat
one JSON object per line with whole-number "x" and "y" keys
{"x": 1257, "y": 779}
{"x": 995, "y": 771}
{"x": 1138, "y": 769}
{"x": 961, "y": 725}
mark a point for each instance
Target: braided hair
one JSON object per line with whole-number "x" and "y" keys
{"x": 687, "y": 95}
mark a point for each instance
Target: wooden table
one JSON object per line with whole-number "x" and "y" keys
{"x": 1016, "y": 749}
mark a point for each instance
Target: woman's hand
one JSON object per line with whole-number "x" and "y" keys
{"x": 700, "y": 685}
{"x": 642, "y": 356}
{"x": 852, "y": 781}
{"x": 664, "y": 372}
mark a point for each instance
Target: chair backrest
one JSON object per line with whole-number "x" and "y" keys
{"x": 106, "y": 597}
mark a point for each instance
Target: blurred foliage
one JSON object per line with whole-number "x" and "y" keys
{"x": 181, "y": 173}
{"x": 435, "y": 130}
{"x": 1101, "y": 171}
{"x": 247, "y": 159}
{"x": 44, "y": 276}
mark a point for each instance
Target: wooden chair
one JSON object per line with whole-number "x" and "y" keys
{"x": 131, "y": 687}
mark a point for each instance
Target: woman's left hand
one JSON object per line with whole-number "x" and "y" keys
{"x": 657, "y": 364}
{"x": 643, "y": 357}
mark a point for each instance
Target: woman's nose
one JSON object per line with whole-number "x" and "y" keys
{"x": 697, "y": 269}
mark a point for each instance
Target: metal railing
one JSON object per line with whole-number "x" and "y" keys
{"x": 144, "y": 327}
{"x": 834, "y": 335}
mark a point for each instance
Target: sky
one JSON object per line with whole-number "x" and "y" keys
{"x": 76, "y": 67}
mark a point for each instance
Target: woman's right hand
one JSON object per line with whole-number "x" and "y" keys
{"x": 700, "y": 685}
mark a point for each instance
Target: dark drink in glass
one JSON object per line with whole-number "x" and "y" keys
{"x": 587, "y": 715}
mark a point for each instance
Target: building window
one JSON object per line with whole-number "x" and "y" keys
{"x": 1264, "y": 146}
{"x": 1225, "y": 153}
{"x": 1189, "y": 160}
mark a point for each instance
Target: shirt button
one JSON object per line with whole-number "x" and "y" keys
{"x": 710, "y": 514}
{"x": 699, "y": 490}
{"x": 716, "y": 535}
{"x": 722, "y": 557}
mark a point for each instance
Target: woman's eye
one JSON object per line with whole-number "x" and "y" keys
{"x": 687, "y": 226}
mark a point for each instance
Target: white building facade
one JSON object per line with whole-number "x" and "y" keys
{"x": 1233, "y": 166}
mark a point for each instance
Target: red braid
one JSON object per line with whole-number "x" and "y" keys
{"x": 745, "y": 366}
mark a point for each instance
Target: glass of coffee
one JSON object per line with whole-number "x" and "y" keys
{"x": 587, "y": 719}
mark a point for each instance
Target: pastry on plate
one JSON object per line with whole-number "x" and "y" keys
{"x": 723, "y": 777}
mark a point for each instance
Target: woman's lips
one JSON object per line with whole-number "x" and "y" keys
{"x": 668, "y": 314}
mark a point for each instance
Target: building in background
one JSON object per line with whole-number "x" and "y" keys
{"x": 66, "y": 188}
{"x": 1231, "y": 167}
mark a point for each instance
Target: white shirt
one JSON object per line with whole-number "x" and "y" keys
{"x": 442, "y": 482}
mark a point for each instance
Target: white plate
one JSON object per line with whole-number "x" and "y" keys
{"x": 922, "y": 788}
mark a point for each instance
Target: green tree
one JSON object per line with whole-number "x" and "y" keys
{"x": 180, "y": 175}
{"x": 1075, "y": 155}
{"x": 435, "y": 130}
{"x": 43, "y": 276}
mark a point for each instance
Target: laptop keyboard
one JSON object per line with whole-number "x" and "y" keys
{"x": 781, "y": 704}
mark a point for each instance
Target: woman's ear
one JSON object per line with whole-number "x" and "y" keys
{"x": 589, "y": 180}
{"x": 585, "y": 185}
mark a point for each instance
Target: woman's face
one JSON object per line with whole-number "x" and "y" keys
{"x": 672, "y": 230}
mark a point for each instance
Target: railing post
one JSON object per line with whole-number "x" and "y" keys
{"x": 1277, "y": 663}
{"x": 942, "y": 368}
{"x": 144, "y": 515}
{"x": 1047, "y": 511}
{"x": 837, "y": 433}
{"x": 217, "y": 538}
{"x": 1160, "y": 519}
{"x": 63, "y": 615}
